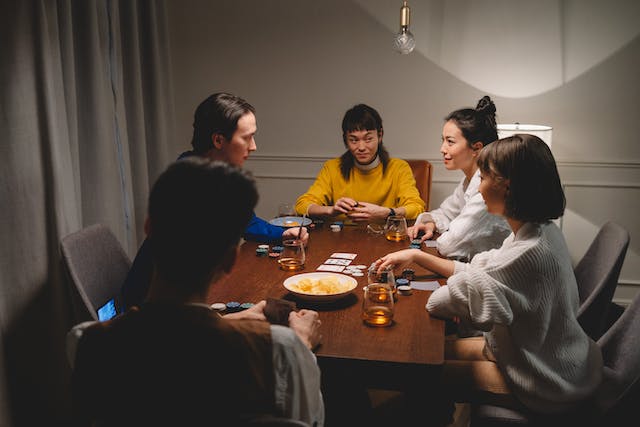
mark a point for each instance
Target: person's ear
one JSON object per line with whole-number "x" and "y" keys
{"x": 218, "y": 139}
{"x": 477, "y": 146}
{"x": 380, "y": 134}
{"x": 230, "y": 258}
{"x": 147, "y": 226}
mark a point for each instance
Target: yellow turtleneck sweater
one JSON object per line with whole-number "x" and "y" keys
{"x": 396, "y": 188}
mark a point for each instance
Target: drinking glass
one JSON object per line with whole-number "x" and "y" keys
{"x": 377, "y": 305}
{"x": 292, "y": 257}
{"x": 286, "y": 209}
{"x": 385, "y": 278}
{"x": 395, "y": 229}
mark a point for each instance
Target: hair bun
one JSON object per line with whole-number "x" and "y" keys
{"x": 486, "y": 106}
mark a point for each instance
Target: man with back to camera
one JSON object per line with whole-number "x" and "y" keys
{"x": 174, "y": 359}
{"x": 224, "y": 129}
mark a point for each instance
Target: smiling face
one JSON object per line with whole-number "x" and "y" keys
{"x": 455, "y": 149}
{"x": 236, "y": 150}
{"x": 363, "y": 145}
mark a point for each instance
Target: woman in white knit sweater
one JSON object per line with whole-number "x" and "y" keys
{"x": 462, "y": 220}
{"x": 534, "y": 354}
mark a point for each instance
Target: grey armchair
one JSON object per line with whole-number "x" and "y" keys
{"x": 617, "y": 399}
{"x": 597, "y": 275}
{"x": 96, "y": 265}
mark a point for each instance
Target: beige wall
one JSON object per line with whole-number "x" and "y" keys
{"x": 303, "y": 63}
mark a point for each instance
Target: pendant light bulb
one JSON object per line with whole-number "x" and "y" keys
{"x": 403, "y": 41}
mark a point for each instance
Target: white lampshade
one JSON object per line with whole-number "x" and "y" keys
{"x": 541, "y": 131}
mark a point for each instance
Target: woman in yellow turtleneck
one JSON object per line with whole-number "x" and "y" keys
{"x": 364, "y": 184}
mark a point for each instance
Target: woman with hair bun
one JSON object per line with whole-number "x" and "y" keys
{"x": 462, "y": 220}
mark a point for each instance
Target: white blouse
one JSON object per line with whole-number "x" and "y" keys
{"x": 465, "y": 226}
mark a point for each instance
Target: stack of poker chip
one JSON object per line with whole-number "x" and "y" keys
{"x": 219, "y": 306}
{"x": 415, "y": 244}
{"x": 337, "y": 225}
{"x": 402, "y": 285}
{"x": 275, "y": 251}
{"x": 233, "y": 306}
{"x": 262, "y": 250}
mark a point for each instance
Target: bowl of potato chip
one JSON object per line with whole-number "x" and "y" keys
{"x": 320, "y": 286}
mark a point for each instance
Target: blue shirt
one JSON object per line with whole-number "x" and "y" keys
{"x": 136, "y": 285}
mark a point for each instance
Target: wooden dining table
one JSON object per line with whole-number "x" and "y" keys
{"x": 390, "y": 357}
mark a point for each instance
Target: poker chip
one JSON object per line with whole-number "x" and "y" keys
{"x": 274, "y": 254}
{"x": 261, "y": 251}
{"x": 246, "y": 305}
{"x": 416, "y": 241}
{"x": 404, "y": 289}
{"x": 335, "y": 228}
{"x": 277, "y": 249}
{"x": 402, "y": 282}
{"x": 414, "y": 246}
{"x": 219, "y": 306}
{"x": 263, "y": 246}
{"x": 233, "y": 306}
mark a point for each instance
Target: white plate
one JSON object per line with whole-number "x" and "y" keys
{"x": 290, "y": 221}
{"x": 344, "y": 279}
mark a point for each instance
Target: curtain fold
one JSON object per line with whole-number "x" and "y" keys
{"x": 85, "y": 126}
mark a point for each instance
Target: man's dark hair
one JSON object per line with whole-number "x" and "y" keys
{"x": 535, "y": 191}
{"x": 218, "y": 114}
{"x": 361, "y": 117}
{"x": 198, "y": 210}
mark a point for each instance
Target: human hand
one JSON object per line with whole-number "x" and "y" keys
{"x": 255, "y": 312}
{"x": 306, "y": 324}
{"x": 368, "y": 212}
{"x": 396, "y": 260}
{"x": 343, "y": 205}
{"x": 292, "y": 233}
{"x": 427, "y": 228}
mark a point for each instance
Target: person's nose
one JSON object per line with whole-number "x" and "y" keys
{"x": 443, "y": 148}
{"x": 252, "y": 145}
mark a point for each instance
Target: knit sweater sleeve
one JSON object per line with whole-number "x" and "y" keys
{"x": 473, "y": 295}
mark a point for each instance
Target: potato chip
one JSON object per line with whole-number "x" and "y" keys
{"x": 324, "y": 286}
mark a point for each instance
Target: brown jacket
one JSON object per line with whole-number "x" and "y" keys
{"x": 174, "y": 365}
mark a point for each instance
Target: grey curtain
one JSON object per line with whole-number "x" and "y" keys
{"x": 85, "y": 126}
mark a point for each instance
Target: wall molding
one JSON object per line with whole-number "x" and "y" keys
{"x": 623, "y": 174}
{"x": 438, "y": 160}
